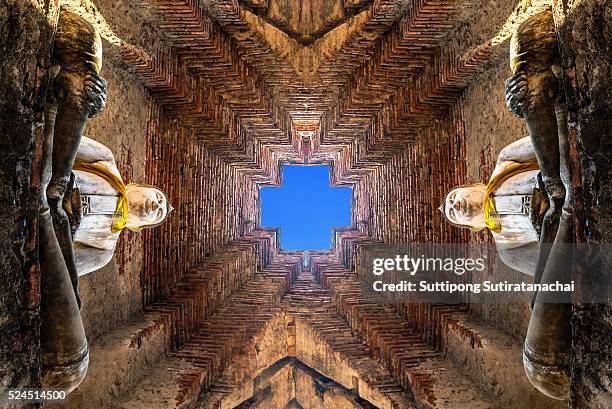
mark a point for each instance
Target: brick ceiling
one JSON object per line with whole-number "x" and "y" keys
{"x": 243, "y": 86}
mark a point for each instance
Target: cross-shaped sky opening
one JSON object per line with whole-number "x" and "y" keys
{"x": 306, "y": 207}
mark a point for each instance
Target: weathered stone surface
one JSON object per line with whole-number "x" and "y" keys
{"x": 26, "y": 31}
{"x": 585, "y": 39}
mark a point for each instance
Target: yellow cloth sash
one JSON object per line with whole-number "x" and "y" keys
{"x": 121, "y": 213}
{"x": 490, "y": 213}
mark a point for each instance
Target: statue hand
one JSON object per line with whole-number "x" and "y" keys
{"x": 556, "y": 199}
{"x": 95, "y": 93}
{"x": 516, "y": 91}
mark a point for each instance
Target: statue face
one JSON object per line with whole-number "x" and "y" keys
{"x": 146, "y": 206}
{"x": 465, "y": 206}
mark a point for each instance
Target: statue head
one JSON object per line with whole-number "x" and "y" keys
{"x": 147, "y": 206}
{"x": 464, "y": 206}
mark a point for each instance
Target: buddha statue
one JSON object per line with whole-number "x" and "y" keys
{"x": 527, "y": 203}
{"x": 76, "y": 92}
{"x": 101, "y": 205}
{"x": 84, "y": 203}
{"x": 519, "y": 204}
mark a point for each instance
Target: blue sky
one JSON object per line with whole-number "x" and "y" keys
{"x": 305, "y": 207}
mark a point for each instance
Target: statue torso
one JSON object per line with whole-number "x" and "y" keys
{"x": 518, "y": 242}
{"x": 98, "y": 203}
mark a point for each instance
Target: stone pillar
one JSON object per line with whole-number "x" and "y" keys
{"x": 585, "y": 34}
{"x": 26, "y": 36}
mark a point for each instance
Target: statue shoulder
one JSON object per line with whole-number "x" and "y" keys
{"x": 92, "y": 184}
{"x": 93, "y": 151}
{"x": 520, "y": 150}
{"x": 88, "y": 259}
